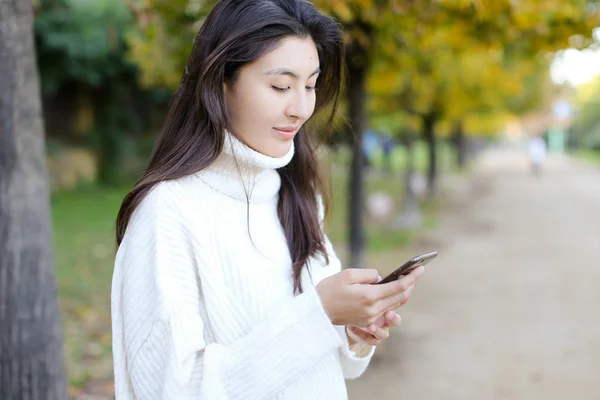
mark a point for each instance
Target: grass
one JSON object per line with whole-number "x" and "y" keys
{"x": 84, "y": 245}
{"x": 378, "y": 236}
{"x": 83, "y": 223}
{"x": 592, "y": 156}
{"x": 398, "y": 156}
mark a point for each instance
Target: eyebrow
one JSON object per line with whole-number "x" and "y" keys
{"x": 284, "y": 71}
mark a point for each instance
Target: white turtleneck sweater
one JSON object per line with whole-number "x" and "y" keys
{"x": 202, "y": 294}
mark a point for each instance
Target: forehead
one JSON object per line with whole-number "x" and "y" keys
{"x": 294, "y": 53}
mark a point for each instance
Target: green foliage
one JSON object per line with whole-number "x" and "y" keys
{"x": 585, "y": 132}
{"x": 463, "y": 58}
{"x": 81, "y": 41}
{"x": 473, "y": 59}
{"x": 162, "y": 43}
{"x": 83, "y": 54}
{"x": 591, "y": 156}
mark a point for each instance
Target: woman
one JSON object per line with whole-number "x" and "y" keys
{"x": 225, "y": 286}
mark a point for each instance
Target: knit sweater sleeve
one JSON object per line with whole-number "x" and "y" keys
{"x": 356, "y": 358}
{"x": 159, "y": 334}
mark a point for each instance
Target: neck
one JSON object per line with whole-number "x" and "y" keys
{"x": 245, "y": 174}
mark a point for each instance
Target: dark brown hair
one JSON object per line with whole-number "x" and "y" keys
{"x": 236, "y": 33}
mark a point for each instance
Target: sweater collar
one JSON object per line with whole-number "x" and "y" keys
{"x": 245, "y": 174}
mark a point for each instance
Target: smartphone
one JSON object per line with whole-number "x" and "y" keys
{"x": 409, "y": 266}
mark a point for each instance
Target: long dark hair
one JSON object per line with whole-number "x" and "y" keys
{"x": 236, "y": 33}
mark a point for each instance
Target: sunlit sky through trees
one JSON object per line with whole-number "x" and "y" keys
{"x": 577, "y": 67}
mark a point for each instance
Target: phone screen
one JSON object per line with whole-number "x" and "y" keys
{"x": 409, "y": 266}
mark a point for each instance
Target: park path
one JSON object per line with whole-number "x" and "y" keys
{"x": 511, "y": 307}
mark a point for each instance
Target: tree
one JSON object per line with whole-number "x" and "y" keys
{"x": 455, "y": 59}
{"x": 81, "y": 47}
{"x": 165, "y": 31}
{"x": 585, "y": 131}
{"x": 363, "y": 21}
{"x": 420, "y": 40}
{"x": 31, "y": 358}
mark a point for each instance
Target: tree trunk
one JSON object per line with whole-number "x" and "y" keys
{"x": 108, "y": 105}
{"x": 357, "y": 66}
{"x": 460, "y": 144}
{"x": 31, "y": 357}
{"x": 429, "y": 121}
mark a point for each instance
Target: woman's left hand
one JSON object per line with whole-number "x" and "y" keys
{"x": 376, "y": 333}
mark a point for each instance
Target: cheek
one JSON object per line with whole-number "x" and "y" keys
{"x": 262, "y": 107}
{"x": 272, "y": 105}
{"x": 248, "y": 108}
{"x": 313, "y": 103}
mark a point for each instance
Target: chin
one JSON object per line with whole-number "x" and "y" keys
{"x": 278, "y": 150}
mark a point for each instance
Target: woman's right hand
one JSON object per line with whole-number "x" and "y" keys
{"x": 350, "y": 298}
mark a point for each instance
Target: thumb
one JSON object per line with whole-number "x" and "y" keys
{"x": 360, "y": 275}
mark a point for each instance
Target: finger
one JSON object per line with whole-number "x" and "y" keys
{"x": 400, "y": 285}
{"x": 380, "y": 321}
{"x": 389, "y": 315}
{"x": 416, "y": 273}
{"x": 394, "y": 302}
{"x": 381, "y": 333}
{"x": 359, "y": 275}
{"x": 410, "y": 289}
{"x": 360, "y": 336}
{"x": 392, "y": 288}
{"x": 408, "y": 293}
{"x": 372, "y": 329}
{"x": 392, "y": 319}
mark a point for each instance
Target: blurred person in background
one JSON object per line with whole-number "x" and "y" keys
{"x": 370, "y": 145}
{"x": 536, "y": 151}
{"x": 387, "y": 145}
{"x": 225, "y": 285}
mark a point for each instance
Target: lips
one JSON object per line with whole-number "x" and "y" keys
{"x": 287, "y": 129}
{"x": 286, "y": 133}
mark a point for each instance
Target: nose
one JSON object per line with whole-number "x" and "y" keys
{"x": 300, "y": 106}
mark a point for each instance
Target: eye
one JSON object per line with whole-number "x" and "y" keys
{"x": 311, "y": 88}
{"x": 280, "y": 90}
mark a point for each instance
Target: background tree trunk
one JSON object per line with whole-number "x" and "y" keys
{"x": 110, "y": 131}
{"x": 460, "y": 144}
{"x": 31, "y": 357}
{"x": 356, "y": 102}
{"x": 429, "y": 121}
{"x": 357, "y": 67}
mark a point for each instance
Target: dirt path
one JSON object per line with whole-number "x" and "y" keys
{"x": 511, "y": 307}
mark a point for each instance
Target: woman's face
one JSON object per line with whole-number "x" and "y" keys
{"x": 274, "y": 96}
